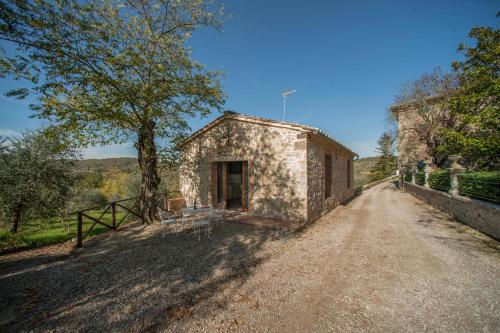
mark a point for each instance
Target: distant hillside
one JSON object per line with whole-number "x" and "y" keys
{"x": 362, "y": 169}
{"x": 128, "y": 164}
{"x": 124, "y": 164}
{"x": 92, "y": 171}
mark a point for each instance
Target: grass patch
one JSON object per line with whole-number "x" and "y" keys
{"x": 38, "y": 233}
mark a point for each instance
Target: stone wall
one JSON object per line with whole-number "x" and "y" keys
{"x": 317, "y": 205}
{"x": 277, "y": 166}
{"x": 370, "y": 185}
{"x": 479, "y": 215}
{"x": 286, "y": 167}
{"x": 315, "y": 177}
{"x": 410, "y": 149}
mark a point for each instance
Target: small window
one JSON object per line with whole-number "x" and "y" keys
{"x": 328, "y": 176}
{"x": 348, "y": 173}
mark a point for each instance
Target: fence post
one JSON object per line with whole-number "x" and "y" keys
{"x": 165, "y": 201}
{"x": 113, "y": 213}
{"x": 79, "y": 231}
{"x": 427, "y": 170}
{"x": 455, "y": 170}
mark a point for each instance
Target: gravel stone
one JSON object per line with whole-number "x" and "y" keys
{"x": 384, "y": 262}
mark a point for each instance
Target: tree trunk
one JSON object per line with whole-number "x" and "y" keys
{"x": 17, "y": 219}
{"x": 148, "y": 162}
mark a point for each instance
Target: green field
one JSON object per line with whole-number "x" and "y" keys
{"x": 45, "y": 232}
{"x": 362, "y": 170}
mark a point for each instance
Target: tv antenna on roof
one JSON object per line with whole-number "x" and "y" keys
{"x": 285, "y": 93}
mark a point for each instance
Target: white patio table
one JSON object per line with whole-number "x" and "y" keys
{"x": 195, "y": 211}
{"x": 199, "y": 219}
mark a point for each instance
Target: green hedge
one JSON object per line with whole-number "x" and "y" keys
{"x": 440, "y": 180}
{"x": 420, "y": 178}
{"x": 480, "y": 185}
{"x": 408, "y": 177}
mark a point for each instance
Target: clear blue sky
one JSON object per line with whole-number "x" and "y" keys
{"x": 345, "y": 58}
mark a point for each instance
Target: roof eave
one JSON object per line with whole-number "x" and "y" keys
{"x": 408, "y": 105}
{"x": 332, "y": 140}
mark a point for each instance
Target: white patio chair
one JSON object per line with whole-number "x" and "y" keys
{"x": 216, "y": 216}
{"x": 201, "y": 224}
{"x": 167, "y": 219}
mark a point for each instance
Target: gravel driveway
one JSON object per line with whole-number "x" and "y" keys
{"x": 384, "y": 262}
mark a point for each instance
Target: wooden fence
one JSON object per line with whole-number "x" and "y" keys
{"x": 167, "y": 204}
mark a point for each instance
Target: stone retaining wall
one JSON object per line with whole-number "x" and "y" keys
{"x": 370, "y": 185}
{"x": 479, "y": 215}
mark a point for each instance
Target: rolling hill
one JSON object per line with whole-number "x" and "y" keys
{"x": 127, "y": 164}
{"x": 362, "y": 170}
{"x": 124, "y": 164}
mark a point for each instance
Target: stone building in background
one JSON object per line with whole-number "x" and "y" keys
{"x": 410, "y": 148}
{"x": 416, "y": 123}
{"x": 268, "y": 168}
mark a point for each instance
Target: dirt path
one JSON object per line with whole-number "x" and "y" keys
{"x": 384, "y": 263}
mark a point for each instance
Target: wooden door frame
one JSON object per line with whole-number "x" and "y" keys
{"x": 225, "y": 175}
{"x": 243, "y": 186}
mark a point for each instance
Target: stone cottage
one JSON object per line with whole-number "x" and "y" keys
{"x": 268, "y": 168}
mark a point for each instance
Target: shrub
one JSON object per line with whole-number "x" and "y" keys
{"x": 420, "y": 178}
{"x": 440, "y": 180}
{"x": 86, "y": 198}
{"x": 480, "y": 185}
{"x": 408, "y": 176}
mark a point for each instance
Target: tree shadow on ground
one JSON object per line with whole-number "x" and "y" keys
{"x": 138, "y": 280}
{"x": 142, "y": 281}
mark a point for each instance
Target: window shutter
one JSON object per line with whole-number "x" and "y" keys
{"x": 328, "y": 176}
{"x": 348, "y": 173}
{"x": 213, "y": 184}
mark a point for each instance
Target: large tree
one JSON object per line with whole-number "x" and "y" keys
{"x": 113, "y": 70}
{"x": 35, "y": 178}
{"x": 386, "y": 163}
{"x": 476, "y": 102}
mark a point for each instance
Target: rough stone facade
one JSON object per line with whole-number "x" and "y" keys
{"x": 341, "y": 188}
{"x": 414, "y": 123}
{"x": 410, "y": 148}
{"x": 285, "y": 164}
{"x": 479, "y": 215}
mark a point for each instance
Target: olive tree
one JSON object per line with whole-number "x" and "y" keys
{"x": 114, "y": 70}
{"x": 35, "y": 178}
